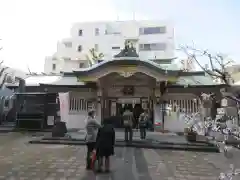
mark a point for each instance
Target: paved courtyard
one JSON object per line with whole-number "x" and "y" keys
{"x": 20, "y": 160}
{"x": 167, "y": 137}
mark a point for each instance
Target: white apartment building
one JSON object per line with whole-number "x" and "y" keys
{"x": 154, "y": 40}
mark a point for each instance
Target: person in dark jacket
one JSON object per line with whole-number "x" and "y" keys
{"x": 143, "y": 122}
{"x": 105, "y": 144}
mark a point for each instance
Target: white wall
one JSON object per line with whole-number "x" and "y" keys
{"x": 174, "y": 122}
{"x": 128, "y": 29}
{"x": 62, "y": 65}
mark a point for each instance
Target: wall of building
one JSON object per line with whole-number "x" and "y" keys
{"x": 109, "y": 37}
{"x": 62, "y": 65}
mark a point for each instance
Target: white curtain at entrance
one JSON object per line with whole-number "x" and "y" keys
{"x": 64, "y": 107}
{"x": 129, "y": 100}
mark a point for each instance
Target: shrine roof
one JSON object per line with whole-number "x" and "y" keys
{"x": 66, "y": 81}
{"x": 36, "y": 80}
{"x": 170, "y": 68}
{"x": 53, "y": 80}
{"x": 69, "y": 79}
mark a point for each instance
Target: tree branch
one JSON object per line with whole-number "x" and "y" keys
{"x": 220, "y": 73}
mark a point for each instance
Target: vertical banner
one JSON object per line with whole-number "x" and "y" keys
{"x": 157, "y": 116}
{"x": 64, "y": 106}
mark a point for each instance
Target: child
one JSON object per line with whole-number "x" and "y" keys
{"x": 105, "y": 144}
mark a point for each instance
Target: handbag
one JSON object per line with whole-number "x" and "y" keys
{"x": 93, "y": 160}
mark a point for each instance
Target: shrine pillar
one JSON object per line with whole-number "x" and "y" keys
{"x": 157, "y": 116}
{"x": 99, "y": 106}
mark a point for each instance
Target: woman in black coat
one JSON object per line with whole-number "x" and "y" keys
{"x": 105, "y": 143}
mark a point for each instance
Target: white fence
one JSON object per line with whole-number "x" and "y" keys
{"x": 175, "y": 115}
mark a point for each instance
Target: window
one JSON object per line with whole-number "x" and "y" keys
{"x": 96, "y": 31}
{"x": 152, "y": 47}
{"x": 80, "y": 32}
{"x": 68, "y": 44}
{"x": 152, "y": 30}
{"x": 53, "y": 67}
{"x": 81, "y": 65}
{"x": 96, "y": 47}
{"x": 115, "y": 47}
{"x": 78, "y": 104}
{"x": 79, "y": 48}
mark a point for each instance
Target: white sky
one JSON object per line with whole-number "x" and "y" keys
{"x": 30, "y": 29}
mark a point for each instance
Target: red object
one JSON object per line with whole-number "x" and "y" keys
{"x": 94, "y": 158}
{"x": 157, "y": 123}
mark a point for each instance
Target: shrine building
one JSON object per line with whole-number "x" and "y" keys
{"x": 127, "y": 81}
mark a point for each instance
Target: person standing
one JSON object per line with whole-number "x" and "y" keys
{"x": 105, "y": 144}
{"x": 128, "y": 123}
{"x": 92, "y": 127}
{"x": 143, "y": 121}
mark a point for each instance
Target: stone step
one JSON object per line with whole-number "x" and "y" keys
{"x": 135, "y": 145}
{"x": 135, "y": 141}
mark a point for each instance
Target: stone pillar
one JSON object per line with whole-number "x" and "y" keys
{"x": 153, "y": 103}
{"x": 103, "y": 104}
{"x": 99, "y": 106}
{"x": 113, "y": 108}
{"x": 206, "y": 108}
{"x": 163, "y": 89}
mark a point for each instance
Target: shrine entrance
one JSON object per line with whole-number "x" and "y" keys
{"x": 135, "y": 93}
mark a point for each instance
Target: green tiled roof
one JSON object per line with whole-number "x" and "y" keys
{"x": 171, "y": 67}
{"x": 196, "y": 80}
{"x": 236, "y": 76}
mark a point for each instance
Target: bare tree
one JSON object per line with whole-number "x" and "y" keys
{"x": 0, "y": 50}
{"x": 218, "y": 63}
{"x": 3, "y": 74}
{"x": 218, "y": 70}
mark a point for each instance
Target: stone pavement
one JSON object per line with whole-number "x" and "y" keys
{"x": 22, "y": 161}
{"x": 157, "y": 136}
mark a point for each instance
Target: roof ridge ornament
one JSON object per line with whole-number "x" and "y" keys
{"x": 128, "y": 51}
